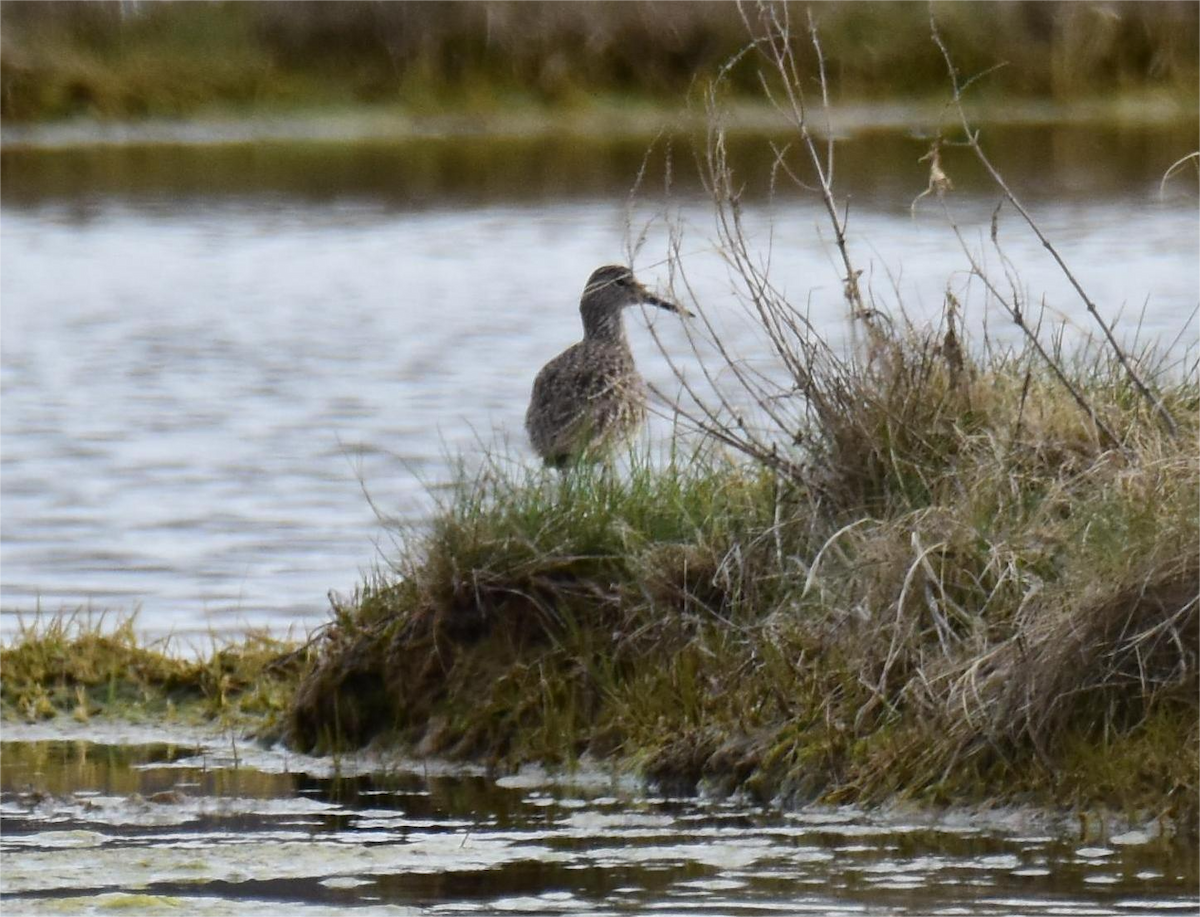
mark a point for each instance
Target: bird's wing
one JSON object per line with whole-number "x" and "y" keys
{"x": 564, "y": 393}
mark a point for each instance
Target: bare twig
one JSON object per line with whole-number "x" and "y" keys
{"x": 776, "y": 48}
{"x": 973, "y": 142}
{"x": 1014, "y": 310}
{"x": 1174, "y": 167}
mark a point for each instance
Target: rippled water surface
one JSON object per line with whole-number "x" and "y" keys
{"x": 153, "y": 822}
{"x": 209, "y": 354}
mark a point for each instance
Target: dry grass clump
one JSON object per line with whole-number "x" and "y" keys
{"x": 1002, "y": 637}
{"x": 995, "y": 592}
{"x": 1123, "y": 649}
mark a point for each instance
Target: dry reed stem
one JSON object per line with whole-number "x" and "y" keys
{"x": 972, "y": 141}
{"x": 1017, "y": 315}
{"x": 1174, "y": 167}
{"x": 781, "y": 57}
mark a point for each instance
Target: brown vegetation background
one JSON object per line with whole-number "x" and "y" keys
{"x": 129, "y": 59}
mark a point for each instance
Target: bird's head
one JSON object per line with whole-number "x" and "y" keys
{"x": 610, "y": 289}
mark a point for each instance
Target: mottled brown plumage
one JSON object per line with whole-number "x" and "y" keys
{"x": 590, "y": 396}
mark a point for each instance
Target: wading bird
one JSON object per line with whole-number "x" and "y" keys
{"x": 591, "y": 397}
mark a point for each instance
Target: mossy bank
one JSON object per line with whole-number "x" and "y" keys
{"x": 82, "y": 667}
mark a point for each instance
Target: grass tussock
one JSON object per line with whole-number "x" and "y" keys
{"x": 968, "y": 597}
{"x": 516, "y": 562}
{"x": 68, "y": 665}
{"x": 112, "y": 59}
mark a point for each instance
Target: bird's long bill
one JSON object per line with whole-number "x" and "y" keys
{"x": 650, "y": 299}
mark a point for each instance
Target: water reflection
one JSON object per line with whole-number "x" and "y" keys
{"x": 187, "y": 823}
{"x": 878, "y": 168}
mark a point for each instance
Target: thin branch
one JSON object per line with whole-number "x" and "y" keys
{"x": 1175, "y": 167}
{"x": 1018, "y": 318}
{"x": 973, "y": 142}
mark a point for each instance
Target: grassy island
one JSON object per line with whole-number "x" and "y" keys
{"x": 968, "y": 597}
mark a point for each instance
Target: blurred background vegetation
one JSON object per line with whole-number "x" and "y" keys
{"x": 114, "y": 59}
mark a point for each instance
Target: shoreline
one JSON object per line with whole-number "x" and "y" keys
{"x": 221, "y": 701}
{"x": 1091, "y": 825}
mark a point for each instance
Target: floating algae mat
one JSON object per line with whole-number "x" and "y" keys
{"x": 143, "y": 820}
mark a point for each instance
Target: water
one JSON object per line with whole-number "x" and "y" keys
{"x": 210, "y": 354}
{"x": 100, "y": 818}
